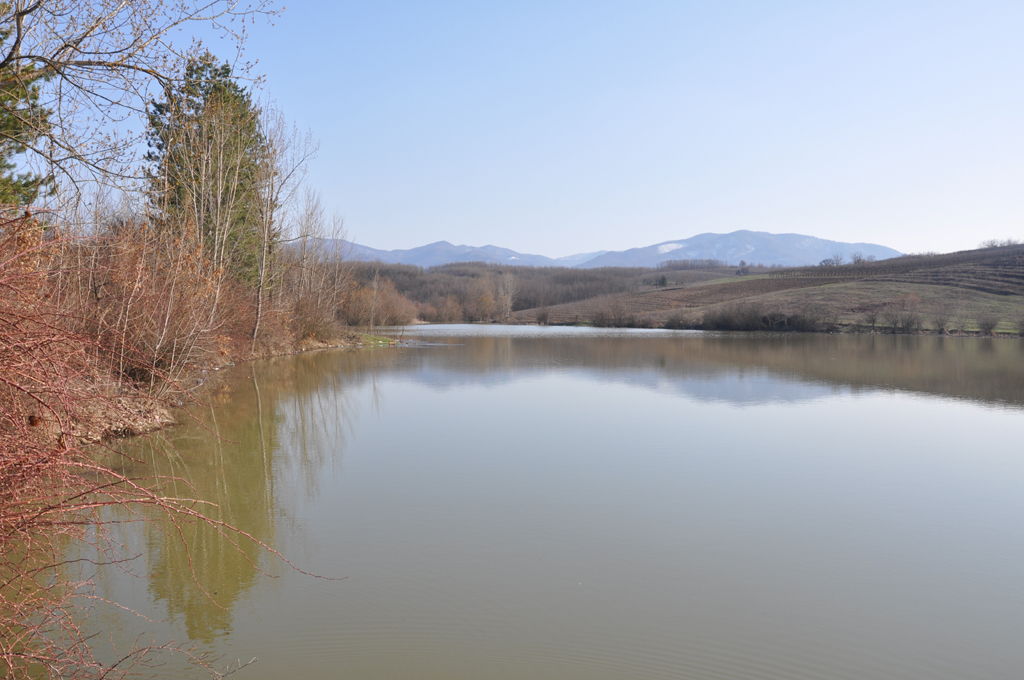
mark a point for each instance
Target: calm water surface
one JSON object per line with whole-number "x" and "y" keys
{"x": 577, "y": 504}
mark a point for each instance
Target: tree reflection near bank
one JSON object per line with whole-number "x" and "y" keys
{"x": 275, "y": 419}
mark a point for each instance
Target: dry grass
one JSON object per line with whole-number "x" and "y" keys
{"x": 947, "y": 294}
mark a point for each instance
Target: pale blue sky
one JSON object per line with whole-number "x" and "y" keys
{"x": 556, "y": 127}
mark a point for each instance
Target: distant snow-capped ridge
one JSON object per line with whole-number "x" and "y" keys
{"x": 753, "y": 247}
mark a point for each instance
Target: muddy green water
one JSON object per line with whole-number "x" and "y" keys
{"x": 577, "y": 504}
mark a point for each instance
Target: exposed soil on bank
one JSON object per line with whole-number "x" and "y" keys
{"x": 119, "y": 412}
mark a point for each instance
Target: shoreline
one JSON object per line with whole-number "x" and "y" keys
{"x": 121, "y": 416}
{"x": 839, "y": 330}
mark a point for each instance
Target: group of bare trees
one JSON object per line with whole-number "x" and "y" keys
{"x": 475, "y": 291}
{"x": 396, "y": 294}
{"x": 153, "y": 223}
{"x": 318, "y": 282}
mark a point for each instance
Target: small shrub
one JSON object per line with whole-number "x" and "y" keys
{"x": 614, "y": 316}
{"x": 750, "y": 317}
{"x": 902, "y": 320}
{"x": 735, "y": 318}
{"x": 909, "y": 322}
{"x": 870, "y": 318}
{"x": 987, "y": 324}
{"x": 678, "y": 322}
{"x": 313, "y": 320}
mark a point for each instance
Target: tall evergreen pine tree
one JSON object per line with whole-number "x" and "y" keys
{"x": 23, "y": 121}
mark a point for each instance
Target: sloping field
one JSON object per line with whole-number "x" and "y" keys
{"x": 956, "y": 288}
{"x": 990, "y": 270}
{"x": 658, "y": 301}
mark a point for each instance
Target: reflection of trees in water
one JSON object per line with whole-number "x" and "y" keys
{"x": 317, "y": 412}
{"x": 978, "y": 369}
{"x": 272, "y": 418}
{"x": 196, "y": 567}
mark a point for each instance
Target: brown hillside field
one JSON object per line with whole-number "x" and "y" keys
{"x": 954, "y": 292}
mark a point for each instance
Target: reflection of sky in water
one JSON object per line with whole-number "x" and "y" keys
{"x": 735, "y": 368}
{"x": 748, "y": 387}
{"x": 430, "y": 332}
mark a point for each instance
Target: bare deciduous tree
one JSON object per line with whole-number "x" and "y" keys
{"x": 941, "y": 316}
{"x": 505, "y": 288}
{"x": 286, "y": 154}
{"x": 318, "y": 280}
{"x": 98, "y": 63}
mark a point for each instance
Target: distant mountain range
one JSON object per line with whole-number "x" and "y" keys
{"x": 755, "y": 247}
{"x": 442, "y": 252}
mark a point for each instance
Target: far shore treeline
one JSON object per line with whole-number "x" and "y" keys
{"x": 978, "y": 292}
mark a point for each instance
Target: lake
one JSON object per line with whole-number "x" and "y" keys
{"x": 495, "y": 502}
